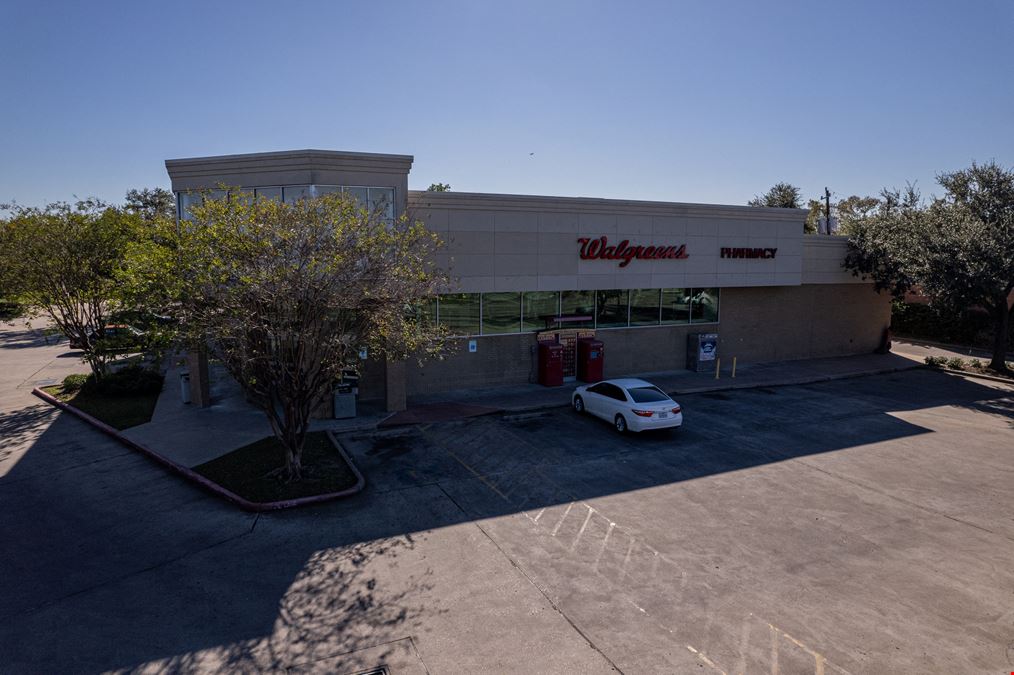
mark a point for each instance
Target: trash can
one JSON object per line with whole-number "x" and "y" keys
{"x": 185, "y": 387}
{"x": 344, "y": 402}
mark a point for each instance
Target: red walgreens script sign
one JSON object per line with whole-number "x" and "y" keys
{"x": 599, "y": 249}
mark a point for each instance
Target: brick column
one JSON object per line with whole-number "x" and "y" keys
{"x": 394, "y": 386}
{"x": 200, "y": 383}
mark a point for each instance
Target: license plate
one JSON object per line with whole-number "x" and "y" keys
{"x": 663, "y": 415}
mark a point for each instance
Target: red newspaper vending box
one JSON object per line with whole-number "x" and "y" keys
{"x": 550, "y": 364}
{"x": 590, "y": 357}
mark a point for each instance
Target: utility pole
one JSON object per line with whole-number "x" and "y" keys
{"x": 827, "y": 210}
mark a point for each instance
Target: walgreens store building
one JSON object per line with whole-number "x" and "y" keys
{"x": 638, "y": 276}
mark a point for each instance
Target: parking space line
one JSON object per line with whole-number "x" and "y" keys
{"x": 565, "y": 513}
{"x": 583, "y": 526}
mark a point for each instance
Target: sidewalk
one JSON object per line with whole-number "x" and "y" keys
{"x": 190, "y": 436}
{"x": 920, "y": 349}
{"x": 531, "y": 397}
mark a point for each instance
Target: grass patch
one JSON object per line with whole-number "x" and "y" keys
{"x": 118, "y": 411}
{"x": 248, "y": 471}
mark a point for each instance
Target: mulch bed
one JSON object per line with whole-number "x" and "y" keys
{"x": 251, "y": 471}
{"x": 120, "y": 412}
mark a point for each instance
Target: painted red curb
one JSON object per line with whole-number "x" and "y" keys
{"x": 209, "y": 485}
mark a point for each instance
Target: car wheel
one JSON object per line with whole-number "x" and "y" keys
{"x": 578, "y": 405}
{"x": 620, "y": 424}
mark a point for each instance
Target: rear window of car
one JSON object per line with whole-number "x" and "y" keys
{"x": 647, "y": 395}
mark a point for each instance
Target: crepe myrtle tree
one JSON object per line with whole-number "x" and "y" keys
{"x": 286, "y": 295}
{"x": 959, "y": 249}
{"x": 60, "y": 260}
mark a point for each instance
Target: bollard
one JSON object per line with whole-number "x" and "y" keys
{"x": 718, "y": 365}
{"x": 734, "y": 367}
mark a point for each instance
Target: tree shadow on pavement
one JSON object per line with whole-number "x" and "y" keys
{"x": 112, "y": 563}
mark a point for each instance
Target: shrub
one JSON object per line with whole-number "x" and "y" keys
{"x": 75, "y": 382}
{"x": 956, "y": 363}
{"x": 975, "y": 364}
{"x": 935, "y": 361}
{"x": 132, "y": 379}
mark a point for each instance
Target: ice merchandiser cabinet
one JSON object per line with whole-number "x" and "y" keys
{"x": 550, "y": 364}
{"x": 702, "y": 350}
{"x": 590, "y": 359}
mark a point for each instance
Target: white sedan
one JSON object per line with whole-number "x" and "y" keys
{"x": 629, "y": 404}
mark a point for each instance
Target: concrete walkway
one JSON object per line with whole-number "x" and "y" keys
{"x": 190, "y": 435}
{"x": 529, "y": 397}
{"x": 919, "y": 349}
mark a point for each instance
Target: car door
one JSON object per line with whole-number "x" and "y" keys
{"x": 617, "y": 403}
{"x": 595, "y": 399}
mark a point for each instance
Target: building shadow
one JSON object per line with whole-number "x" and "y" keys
{"x": 113, "y": 564}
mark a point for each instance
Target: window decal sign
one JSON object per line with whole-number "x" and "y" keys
{"x": 600, "y": 249}
{"x": 749, "y": 252}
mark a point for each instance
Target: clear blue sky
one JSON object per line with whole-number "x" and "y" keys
{"x": 683, "y": 101}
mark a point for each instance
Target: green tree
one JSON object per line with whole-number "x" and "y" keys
{"x": 62, "y": 260}
{"x": 959, "y": 250}
{"x": 439, "y": 187}
{"x": 151, "y": 203}
{"x": 286, "y": 294}
{"x": 780, "y": 196}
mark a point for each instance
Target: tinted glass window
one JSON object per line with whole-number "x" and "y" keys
{"x": 644, "y": 307}
{"x": 617, "y": 393}
{"x": 459, "y": 313}
{"x": 537, "y": 305}
{"x": 360, "y": 194}
{"x": 647, "y": 395}
{"x": 675, "y": 305}
{"x": 382, "y": 202}
{"x": 578, "y": 302}
{"x": 270, "y": 193}
{"x": 599, "y": 389}
{"x": 611, "y": 309}
{"x": 293, "y": 193}
{"x": 704, "y": 306}
{"x": 501, "y": 313}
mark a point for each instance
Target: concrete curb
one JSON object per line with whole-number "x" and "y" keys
{"x": 209, "y": 485}
{"x": 981, "y": 376}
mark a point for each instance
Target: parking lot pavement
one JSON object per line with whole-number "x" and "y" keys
{"x": 856, "y": 526}
{"x": 859, "y": 526}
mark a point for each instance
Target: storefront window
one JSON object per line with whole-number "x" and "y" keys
{"x": 293, "y": 193}
{"x": 459, "y": 313}
{"x": 501, "y": 313}
{"x": 704, "y": 307}
{"x": 321, "y": 190}
{"x": 536, "y": 306}
{"x": 269, "y": 193}
{"x": 382, "y": 202}
{"x": 426, "y": 312}
{"x": 360, "y": 194}
{"x": 675, "y": 305}
{"x": 188, "y": 200}
{"x": 578, "y": 303}
{"x": 644, "y": 307}
{"x": 611, "y": 308}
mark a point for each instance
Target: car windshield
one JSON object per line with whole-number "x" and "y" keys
{"x": 647, "y": 395}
